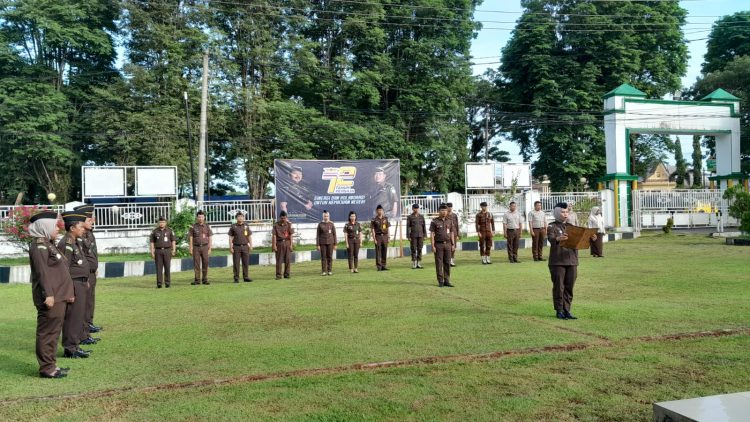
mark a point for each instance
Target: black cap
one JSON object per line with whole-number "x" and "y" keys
{"x": 380, "y": 168}
{"x": 161, "y": 218}
{"x": 239, "y": 213}
{"x": 87, "y": 209}
{"x": 379, "y": 207}
{"x": 200, "y": 212}
{"x": 44, "y": 215}
{"x": 483, "y": 204}
{"x": 352, "y": 213}
{"x": 73, "y": 217}
{"x": 561, "y": 205}
{"x": 296, "y": 168}
{"x": 449, "y": 204}
{"x": 282, "y": 214}
{"x": 415, "y": 206}
{"x": 325, "y": 211}
{"x": 443, "y": 206}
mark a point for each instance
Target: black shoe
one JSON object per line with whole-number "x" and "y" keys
{"x": 195, "y": 283}
{"x": 236, "y": 281}
{"x": 167, "y": 286}
{"x": 448, "y": 284}
{"x": 90, "y": 340}
{"x": 287, "y": 276}
{"x": 57, "y": 374}
{"x": 75, "y": 355}
{"x": 278, "y": 277}
{"x": 542, "y": 259}
{"x": 247, "y": 280}
{"x": 560, "y": 315}
{"x": 158, "y": 286}
{"x": 63, "y": 370}
{"x": 384, "y": 269}
{"x": 420, "y": 266}
{"x": 95, "y": 329}
{"x": 568, "y": 315}
{"x": 453, "y": 265}
{"x": 206, "y": 282}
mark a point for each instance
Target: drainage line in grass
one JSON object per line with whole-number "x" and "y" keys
{"x": 429, "y": 360}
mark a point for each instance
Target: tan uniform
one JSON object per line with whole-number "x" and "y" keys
{"x": 415, "y": 231}
{"x": 538, "y": 225}
{"x": 240, "y": 236}
{"x": 563, "y": 268}
{"x": 485, "y": 225}
{"x": 49, "y": 277}
{"x": 200, "y": 234}
{"x": 92, "y": 255}
{"x": 352, "y": 233}
{"x": 75, "y": 314}
{"x": 512, "y": 223}
{"x": 442, "y": 239}
{"x": 162, "y": 240}
{"x": 380, "y": 232}
{"x": 326, "y": 239}
{"x": 282, "y": 242}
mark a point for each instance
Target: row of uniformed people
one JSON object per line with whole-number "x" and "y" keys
{"x": 63, "y": 280}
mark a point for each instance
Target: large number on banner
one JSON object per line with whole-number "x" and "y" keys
{"x": 341, "y": 179}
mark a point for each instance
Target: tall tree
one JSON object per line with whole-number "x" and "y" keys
{"x": 564, "y": 55}
{"x": 697, "y": 162}
{"x": 680, "y": 172}
{"x": 729, "y": 39}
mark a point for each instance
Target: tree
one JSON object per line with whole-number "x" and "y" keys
{"x": 697, "y": 163}
{"x": 680, "y": 172}
{"x": 564, "y": 55}
{"x": 729, "y": 39}
{"x": 486, "y": 120}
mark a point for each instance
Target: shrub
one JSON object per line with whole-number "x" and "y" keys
{"x": 16, "y": 225}
{"x": 180, "y": 224}
{"x": 668, "y": 227}
{"x": 740, "y": 208}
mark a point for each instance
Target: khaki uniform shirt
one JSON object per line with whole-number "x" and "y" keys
{"x": 442, "y": 229}
{"x": 162, "y": 238}
{"x": 326, "y": 234}
{"x": 484, "y": 222}
{"x": 352, "y": 231}
{"x": 512, "y": 220}
{"x": 200, "y": 234}
{"x": 380, "y": 226}
{"x": 415, "y": 226}
{"x": 282, "y": 232}
{"x": 73, "y": 251}
{"x": 537, "y": 219}
{"x": 240, "y": 234}
{"x": 49, "y": 273}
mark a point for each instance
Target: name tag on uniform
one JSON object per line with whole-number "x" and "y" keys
{"x": 329, "y": 232}
{"x": 166, "y": 239}
{"x": 384, "y": 226}
{"x": 80, "y": 262}
{"x": 447, "y": 230}
{"x": 245, "y": 233}
{"x": 204, "y": 235}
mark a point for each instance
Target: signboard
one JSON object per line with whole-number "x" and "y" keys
{"x": 304, "y": 188}
{"x": 480, "y": 175}
{"x": 156, "y": 181}
{"x": 103, "y": 182}
{"x": 518, "y": 172}
{"x": 711, "y": 165}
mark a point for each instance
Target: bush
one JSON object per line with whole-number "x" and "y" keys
{"x": 668, "y": 228}
{"x": 16, "y": 226}
{"x": 740, "y": 208}
{"x": 180, "y": 225}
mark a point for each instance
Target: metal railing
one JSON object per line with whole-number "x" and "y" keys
{"x": 687, "y": 208}
{"x": 705, "y": 200}
{"x": 428, "y": 204}
{"x": 550, "y": 199}
{"x": 224, "y": 212}
{"x": 131, "y": 215}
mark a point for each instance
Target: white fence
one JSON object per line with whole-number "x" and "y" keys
{"x": 131, "y": 215}
{"x": 428, "y": 204}
{"x": 687, "y": 208}
{"x": 223, "y": 212}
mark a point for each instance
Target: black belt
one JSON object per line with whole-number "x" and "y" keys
{"x": 281, "y": 240}
{"x": 512, "y": 230}
{"x": 166, "y": 247}
{"x": 203, "y": 244}
{"x": 240, "y": 244}
{"x": 442, "y": 241}
{"x": 81, "y": 279}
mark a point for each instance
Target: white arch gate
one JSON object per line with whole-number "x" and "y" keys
{"x": 627, "y": 111}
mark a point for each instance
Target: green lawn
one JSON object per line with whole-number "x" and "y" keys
{"x": 290, "y": 349}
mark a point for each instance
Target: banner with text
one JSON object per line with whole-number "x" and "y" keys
{"x": 304, "y": 188}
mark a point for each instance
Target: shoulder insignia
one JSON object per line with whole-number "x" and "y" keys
{"x": 69, "y": 248}
{"x": 41, "y": 247}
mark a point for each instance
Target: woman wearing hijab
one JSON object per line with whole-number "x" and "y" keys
{"x": 596, "y": 221}
{"x": 563, "y": 263}
{"x": 52, "y": 291}
{"x": 353, "y": 232}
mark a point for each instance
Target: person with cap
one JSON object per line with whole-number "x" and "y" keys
{"x": 415, "y": 232}
{"x": 353, "y": 236}
{"x": 537, "y": 221}
{"x": 443, "y": 242}
{"x": 325, "y": 241}
{"x": 485, "y": 226}
{"x": 51, "y": 288}
{"x": 563, "y": 263}
{"x": 163, "y": 246}
{"x": 200, "y": 242}
{"x": 596, "y": 221}
{"x": 386, "y": 194}
{"x": 78, "y": 267}
{"x": 92, "y": 254}
{"x": 453, "y": 217}
{"x": 380, "y": 228}
{"x": 512, "y": 227}
{"x": 297, "y": 203}
{"x": 240, "y": 246}
{"x": 281, "y": 243}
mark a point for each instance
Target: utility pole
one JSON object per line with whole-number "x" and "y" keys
{"x": 190, "y": 143}
{"x": 487, "y": 134}
{"x": 202, "y": 145}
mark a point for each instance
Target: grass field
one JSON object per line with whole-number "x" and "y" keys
{"x": 661, "y": 318}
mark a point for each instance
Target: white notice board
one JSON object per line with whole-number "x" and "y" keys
{"x": 103, "y": 181}
{"x": 480, "y": 175}
{"x": 156, "y": 181}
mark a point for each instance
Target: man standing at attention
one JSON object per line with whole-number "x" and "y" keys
{"x": 380, "y": 230}
{"x": 281, "y": 243}
{"x": 240, "y": 246}
{"x": 325, "y": 239}
{"x": 537, "y": 221}
{"x": 163, "y": 246}
{"x": 199, "y": 241}
{"x": 415, "y": 232}
{"x": 485, "y": 226}
{"x": 453, "y": 217}
{"x": 442, "y": 242}
{"x": 512, "y": 223}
